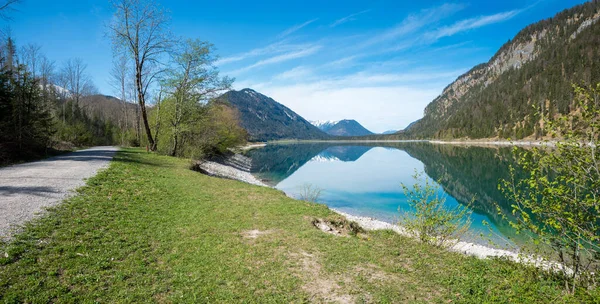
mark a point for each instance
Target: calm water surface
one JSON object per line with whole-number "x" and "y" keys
{"x": 365, "y": 180}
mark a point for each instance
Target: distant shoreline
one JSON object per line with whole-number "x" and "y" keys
{"x": 430, "y": 141}
{"x": 254, "y": 145}
{"x": 495, "y": 143}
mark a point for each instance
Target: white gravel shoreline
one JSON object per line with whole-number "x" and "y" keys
{"x": 479, "y": 251}
{"x": 224, "y": 171}
{"x": 467, "y": 248}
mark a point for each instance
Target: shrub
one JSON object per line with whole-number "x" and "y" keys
{"x": 559, "y": 198}
{"x": 430, "y": 219}
{"x": 310, "y": 193}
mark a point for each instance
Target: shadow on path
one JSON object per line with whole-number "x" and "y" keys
{"x": 37, "y": 191}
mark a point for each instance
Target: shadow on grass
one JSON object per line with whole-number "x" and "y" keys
{"x": 134, "y": 157}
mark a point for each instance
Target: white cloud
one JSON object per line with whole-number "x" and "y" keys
{"x": 300, "y": 72}
{"x": 274, "y": 48}
{"x": 414, "y": 22}
{"x": 472, "y": 23}
{"x": 279, "y": 58}
{"x": 377, "y": 108}
{"x": 378, "y": 101}
{"x": 342, "y": 62}
{"x": 295, "y": 28}
{"x": 369, "y": 79}
{"x": 378, "y": 96}
{"x": 348, "y": 18}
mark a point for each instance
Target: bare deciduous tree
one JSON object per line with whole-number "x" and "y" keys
{"x": 31, "y": 56}
{"x": 76, "y": 80}
{"x": 9, "y": 53}
{"x": 159, "y": 101}
{"x": 6, "y": 6}
{"x": 46, "y": 74}
{"x": 119, "y": 75}
{"x": 140, "y": 30}
{"x": 132, "y": 95}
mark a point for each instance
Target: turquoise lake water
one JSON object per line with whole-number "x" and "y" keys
{"x": 366, "y": 180}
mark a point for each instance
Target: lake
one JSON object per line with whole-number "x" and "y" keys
{"x": 365, "y": 179}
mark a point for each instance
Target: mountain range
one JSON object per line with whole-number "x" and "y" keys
{"x": 346, "y": 127}
{"x": 265, "y": 119}
{"x": 531, "y": 74}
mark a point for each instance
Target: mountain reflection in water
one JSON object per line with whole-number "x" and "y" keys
{"x": 364, "y": 179}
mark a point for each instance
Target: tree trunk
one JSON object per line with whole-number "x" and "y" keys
{"x": 138, "y": 136}
{"x": 151, "y": 143}
{"x": 156, "y": 132}
{"x": 175, "y": 144}
{"x": 126, "y": 124}
{"x": 142, "y": 102}
{"x": 576, "y": 263}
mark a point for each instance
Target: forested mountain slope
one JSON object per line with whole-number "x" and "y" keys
{"x": 530, "y": 75}
{"x": 109, "y": 108}
{"x": 265, "y": 119}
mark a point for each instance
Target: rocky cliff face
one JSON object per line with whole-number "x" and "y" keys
{"x": 535, "y": 48}
{"x": 514, "y": 55}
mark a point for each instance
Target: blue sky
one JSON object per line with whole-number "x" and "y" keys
{"x": 379, "y": 62}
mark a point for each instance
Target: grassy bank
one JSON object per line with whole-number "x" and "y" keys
{"x": 150, "y": 229}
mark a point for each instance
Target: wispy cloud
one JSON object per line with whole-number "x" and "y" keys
{"x": 391, "y": 68}
{"x": 419, "y": 37}
{"x": 414, "y": 22}
{"x": 363, "y": 79}
{"x": 299, "y": 72}
{"x": 342, "y": 62}
{"x": 343, "y": 97}
{"x": 274, "y": 48}
{"x": 295, "y": 28}
{"x": 472, "y": 23}
{"x": 311, "y": 77}
{"x": 279, "y": 58}
{"x": 348, "y": 18}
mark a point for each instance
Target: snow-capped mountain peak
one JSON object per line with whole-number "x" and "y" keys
{"x": 323, "y": 123}
{"x": 345, "y": 127}
{"x": 324, "y": 159}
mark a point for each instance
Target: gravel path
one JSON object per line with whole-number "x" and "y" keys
{"x": 27, "y": 189}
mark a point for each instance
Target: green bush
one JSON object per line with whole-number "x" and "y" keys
{"x": 559, "y": 198}
{"x": 431, "y": 220}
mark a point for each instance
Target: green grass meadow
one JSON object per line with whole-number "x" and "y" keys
{"x": 148, "y": 229}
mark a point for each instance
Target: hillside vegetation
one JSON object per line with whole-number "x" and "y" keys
{"x": 529, "y": 77}
{"x": 190, "y": 238}
{"x": 266, "y": 119}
